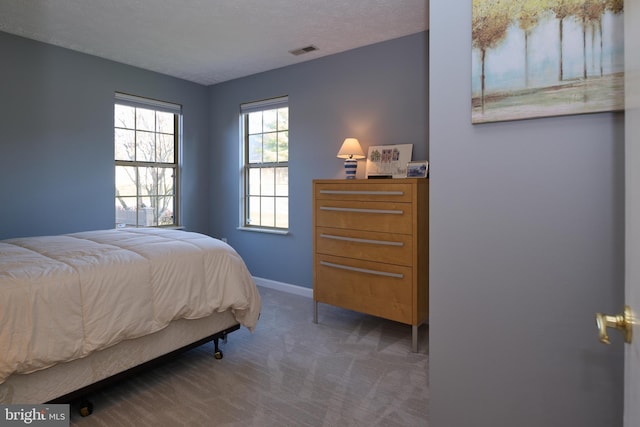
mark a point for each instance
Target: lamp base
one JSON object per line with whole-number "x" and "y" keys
{"x": 350, "y": 168}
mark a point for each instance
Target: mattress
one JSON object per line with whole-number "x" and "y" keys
{"x": 63, "y": 298}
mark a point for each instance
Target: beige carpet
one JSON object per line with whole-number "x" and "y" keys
{"x": 348, "y": 370}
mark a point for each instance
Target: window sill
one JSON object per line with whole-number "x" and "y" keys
{"x": 165, "y": 227}
{"x": 264, "y": 230}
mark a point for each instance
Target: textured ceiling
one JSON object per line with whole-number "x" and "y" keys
{"x": 211, "y": 41}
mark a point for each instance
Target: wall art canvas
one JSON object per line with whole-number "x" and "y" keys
{"x": 388, "y": 160}
{"x": 542, "y": 58}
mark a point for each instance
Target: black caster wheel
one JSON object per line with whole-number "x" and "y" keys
{"x": 218, "y": 355}
{"x": 86, "y": 408}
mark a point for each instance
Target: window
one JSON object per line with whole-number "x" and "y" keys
{"x": 146, "y": 135}
{"x": 265, "y": 129}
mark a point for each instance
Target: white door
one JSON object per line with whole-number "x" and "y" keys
{"x": 632, "y": 210}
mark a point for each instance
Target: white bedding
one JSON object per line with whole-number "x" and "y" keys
{"x": 64, "y": 297}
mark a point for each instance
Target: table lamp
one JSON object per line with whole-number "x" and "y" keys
{"x": 350, "y": 152}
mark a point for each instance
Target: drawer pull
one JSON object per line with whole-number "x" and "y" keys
{"x": 362, "y": 270}
{"x": 353, "y": 239}
{"x": 373, "y": 211}
{"x": 365, "y": 193}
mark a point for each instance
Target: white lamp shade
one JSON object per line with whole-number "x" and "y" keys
{"x": 351, "y": 150}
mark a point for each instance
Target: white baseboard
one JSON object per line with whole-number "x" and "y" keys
{"x": 284, "y": 287}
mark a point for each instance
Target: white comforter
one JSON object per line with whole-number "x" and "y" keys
{"x": 64, "y": 297}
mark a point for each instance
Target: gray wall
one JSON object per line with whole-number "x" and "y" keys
{"x": 56, "y": 162}
{"x": 526, "y": 245}
{"x": 56, "y": 139}
{"x": 377, "y": 94}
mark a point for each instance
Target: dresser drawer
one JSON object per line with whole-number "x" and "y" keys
{"x": 389, "y": 248}
{"x": 378, "y": 289}
{"x": 366, "y": 191}
{"x": 372, "y": 216}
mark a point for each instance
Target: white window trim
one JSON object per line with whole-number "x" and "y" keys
{"x": 264, "y": 230}
{"x": 170, "y": 107}
{"x": 245, "y": 108}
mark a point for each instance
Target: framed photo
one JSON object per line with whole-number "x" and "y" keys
{"x": 418, "y": 169}
{"x": 388, "y": 161}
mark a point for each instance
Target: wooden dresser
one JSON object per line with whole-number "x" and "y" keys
{"x": 371, "y": 248}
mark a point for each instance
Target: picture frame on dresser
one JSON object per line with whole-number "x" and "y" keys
{"x": 418, "y": 169}
{"x": 388, "y": 160}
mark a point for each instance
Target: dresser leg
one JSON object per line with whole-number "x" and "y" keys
{"x": 315, "y": 312}
{"x": 414, "y": 338}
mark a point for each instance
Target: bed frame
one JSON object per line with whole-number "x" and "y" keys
{"x": 86, "y": 405}
{"x": 71, "y": 381}
{"x": 74, "y": 395}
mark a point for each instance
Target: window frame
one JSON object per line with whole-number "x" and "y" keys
{"x": 246, "y": 166}
{"x": 157, "y": 106}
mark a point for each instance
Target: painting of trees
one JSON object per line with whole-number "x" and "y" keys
{"x": 539, "y": 58}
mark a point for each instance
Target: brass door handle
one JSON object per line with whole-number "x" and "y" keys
{"x": 621, "y": 322}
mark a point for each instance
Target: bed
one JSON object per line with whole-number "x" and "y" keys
{"x": 80, "y": 309}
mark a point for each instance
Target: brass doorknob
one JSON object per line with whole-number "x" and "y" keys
{"x": 621, "y": 322}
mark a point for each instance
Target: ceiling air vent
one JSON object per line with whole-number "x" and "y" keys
{"x": 303, "y": 50}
